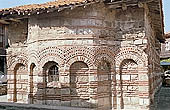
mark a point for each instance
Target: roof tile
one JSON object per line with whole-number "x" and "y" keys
{"x": 56, "y": 3}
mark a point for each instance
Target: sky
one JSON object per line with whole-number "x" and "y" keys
{"x": 166, "y": 8}
{"x": 12, "y": 3}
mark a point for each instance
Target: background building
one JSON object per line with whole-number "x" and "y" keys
{"x": 165, "y": 53}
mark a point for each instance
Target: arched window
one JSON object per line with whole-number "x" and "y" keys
{"x": 53, "y": 73}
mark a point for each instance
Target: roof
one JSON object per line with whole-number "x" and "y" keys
{"x": 167, "y": 35}
{"x": 61, "y": 4}
{"x": 165, "y": 63}
{"x": 53, "y": 5}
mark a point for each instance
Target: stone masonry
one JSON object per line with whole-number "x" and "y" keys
{"x": 3, "y": 44}
{"x": 91, "y": 56}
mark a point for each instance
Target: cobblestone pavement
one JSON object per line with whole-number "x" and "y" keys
{"x": 162, "y": 99}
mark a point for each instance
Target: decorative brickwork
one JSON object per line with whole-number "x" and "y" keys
{"x": 93, "y": 56}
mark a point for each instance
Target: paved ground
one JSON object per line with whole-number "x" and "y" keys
{"x": 162, "y": 99}
{"x": 17, "y": 106}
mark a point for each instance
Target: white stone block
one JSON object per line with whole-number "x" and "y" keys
{"x": 141, "y": 34}
{"x": 127, "y": 100}
{"x": 125, "y": 77}
{"x": 137, "y": 42}
{"x": 75, "y": 103}
{"x": 65, "y": 103}
{"x": 25, "y": 97}
{"x": 19, "y": 96}
{"x": 145, "y": 41}
{"x": 9, "y": 96}
{"x": 61, "y": 79}
{"x": 24, "y": 86}
{"x": 143, "y": 77}
{"x": 39, "y": 79}
{"x": 65, "y": 91}
{"x": 134, "y": 100}
{"x": 18, "y": 76}
{"x": 66, "y": 79}
{"x": 18, "y": 86}
{"x": 146, "y": 101}
{"x": 9, "y": 76}
{"x": 56, "y": 103}
{"x": 93, "y": 101}
{"x": 117, "y": 77}
{"x": 24, "y": 76}
{"x": 144, "y": 88}
{"x": 93, "y": 78}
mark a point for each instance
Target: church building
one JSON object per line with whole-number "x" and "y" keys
{"x": 99, "y": 54}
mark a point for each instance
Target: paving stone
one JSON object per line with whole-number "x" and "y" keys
{"x": 162, "y": 99}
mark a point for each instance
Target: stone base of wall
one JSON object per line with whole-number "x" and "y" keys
{"x": 133, "y": 109}
{"x": 18, "y": 106}
{"x": 3, "y": 89}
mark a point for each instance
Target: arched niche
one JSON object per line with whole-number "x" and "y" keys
{"x": 31, "y": 83}
{"x": 79, "y": 87}
{"x": 127, "y": 82}
{"x": 104, "y": 85}
{"x": 20, "y": 83}
{"x": 1, "y": 64}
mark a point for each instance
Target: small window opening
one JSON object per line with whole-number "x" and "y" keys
{"x": 53, "y": 74}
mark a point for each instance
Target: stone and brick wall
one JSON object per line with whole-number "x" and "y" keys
{"x": 3, "y": 45}
{"x": 17, "y": 68}
{"x": 153, "y": 50}
{"x": 102, "y": 57}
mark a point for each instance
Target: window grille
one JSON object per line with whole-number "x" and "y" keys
{"x": 53, "y": 74}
